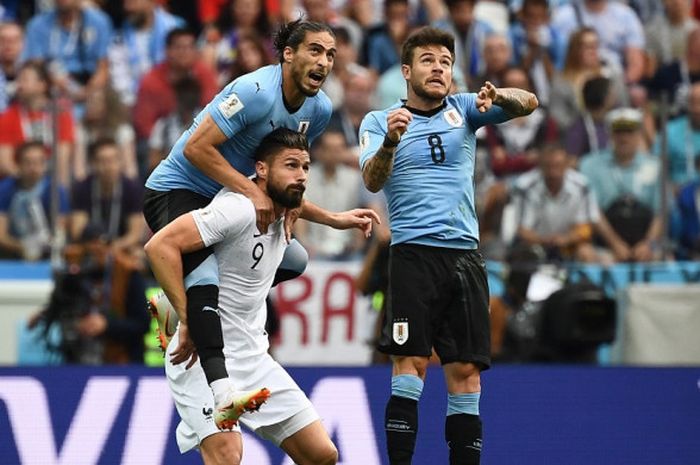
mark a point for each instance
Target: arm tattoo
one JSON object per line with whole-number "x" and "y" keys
{"x": 378, "y": 169}
{"x": 516, "y": 102}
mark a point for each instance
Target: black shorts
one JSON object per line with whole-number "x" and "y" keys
{"x": 160, "y": 208}
{"x": 438, "y": 298}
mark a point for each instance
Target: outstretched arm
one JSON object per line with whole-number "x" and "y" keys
{"x": 515, "y": 102}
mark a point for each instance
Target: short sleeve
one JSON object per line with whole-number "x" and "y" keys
{"x": 227, "y": 214}
{"x": 237, "y": 106}
{"x": 477, "y": 119}
{"x": 320, "y": 121}
{"x": 371, "y": 136}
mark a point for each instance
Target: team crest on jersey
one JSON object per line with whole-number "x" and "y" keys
{"x": 364, "y": 141}
{"x": 230, "y": 106}
{"x": 400, "y": 332}
{"x": 303, "y": 126}
{"x": 453, "y": 118}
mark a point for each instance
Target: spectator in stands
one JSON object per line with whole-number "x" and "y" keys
{"x": 618, "y": 27}
{"x": 222, "y": 40}
{"x": 108, "y": 199}
{"x": 469, "y": 32}
{"x": 384, "y": 40}
{"x": 106, "y": 116}
{"x": 252, "y": 54}
{"x": 688, "y": 205}
{"x": 556, "y": 208}
{"x": 627, "y": 186}
{"x": 26, "y": 228}
{"x": 358, "y": 91}
{"x": 11, "y": 45}
{"x": 322, "y": 11}
{"x": 168, "y": 129}
{"x": 667, "y": 34}
{"x": 675, "y": 78}
{"x": 537, "y": 46}
{"x": 139, "y": 45}
{"x": 73, "y": 40}
{"x": 683, "y": 141}
{"x": 514, "y": 145}
{"x": 156, "y": 97}
{"x": 345, "y": 66}
{"x": 98, "y": 303}
{"x": 582, "y": 62}
{"x": 30, "y": 119}
{"x": 589, "y": 133}
{"x": 334, "y": 186}
{"x": 497, "y": 57}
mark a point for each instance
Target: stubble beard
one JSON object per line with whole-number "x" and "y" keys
{"x": 288, "y": 198}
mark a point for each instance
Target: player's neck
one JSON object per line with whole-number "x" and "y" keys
{"x": 414, "y": 102}
{"x": 292, "y": 96}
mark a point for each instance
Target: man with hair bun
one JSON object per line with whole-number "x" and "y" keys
{"x": 217, "y": 151}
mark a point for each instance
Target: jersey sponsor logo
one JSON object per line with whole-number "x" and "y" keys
{"x": 303, "y": 126}
{"x": 400, "y": 332}
{"x": 453, "y": 118}
{"x": 364, "y": 141}
{"x": 231, "y": 105}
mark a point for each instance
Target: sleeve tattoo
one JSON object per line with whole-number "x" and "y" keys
{"x": 378, "y": 169}
{"x": 516, "y": 102}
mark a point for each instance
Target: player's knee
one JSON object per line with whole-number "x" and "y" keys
{"x": 465, "y": 375}
{"x": 222, "y": 453}
{"x": 327, "y": 456}
{"x": 411, "y": 365}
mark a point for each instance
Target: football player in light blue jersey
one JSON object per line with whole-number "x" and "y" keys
{"x": 217, "y": 151}
{"x": 421, "y": 152}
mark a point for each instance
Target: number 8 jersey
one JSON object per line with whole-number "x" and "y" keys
{"x": 430, "y": 192}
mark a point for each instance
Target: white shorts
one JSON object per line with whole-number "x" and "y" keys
{"x": 287, "y": 411}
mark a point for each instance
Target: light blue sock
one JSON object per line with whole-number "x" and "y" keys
{"x": 463, "y": 403}
{"x": 407, "y": 386}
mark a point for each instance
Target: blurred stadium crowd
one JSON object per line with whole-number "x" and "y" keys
{"x": 94, "y": 93}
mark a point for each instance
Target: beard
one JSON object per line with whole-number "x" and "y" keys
{"x": 421, "y": 92}
{"x": 298, "y": 76}
{"x": 138, "y": 19}
{"x": 287, "y": 197}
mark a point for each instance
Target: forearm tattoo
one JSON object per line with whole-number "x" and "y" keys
{"x": 378, "y": 169}
{"x": 516, "y": 102}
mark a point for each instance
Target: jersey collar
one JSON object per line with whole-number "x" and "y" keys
{"x": 425, "y": 113}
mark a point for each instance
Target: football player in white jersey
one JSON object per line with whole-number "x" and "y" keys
{"x": 247, "y": 261}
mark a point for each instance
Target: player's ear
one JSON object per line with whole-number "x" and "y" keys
{"x": 406, "y": 71}
{"x": 261, "y": 169}
{"x": 288, "y": 54}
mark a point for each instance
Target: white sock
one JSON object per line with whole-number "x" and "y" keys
{"x": 220, "y": 387}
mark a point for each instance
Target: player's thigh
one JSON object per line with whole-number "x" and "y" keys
{"x": 225, "y": 448}
{"x": 414, "y": 288}
{"x": 311, "y": 445}
{"x": 464, "y": 331}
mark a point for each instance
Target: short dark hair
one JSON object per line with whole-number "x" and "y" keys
{"x": 98, "y": 145}
{"x": 293, "y": 33}
{"x": 595, "y": 91}
{"x": 25, "y": 147}
{"x": 280, "y": 138}
{"x": 423, "y": 37}
{"x": 39, "y": 67}
{"x": 451, "y": 3}
{"x": 176, "y": 33}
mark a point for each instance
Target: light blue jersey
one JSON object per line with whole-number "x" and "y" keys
{"x": 430, "y": 192}
{"x": 246, "y": 110}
